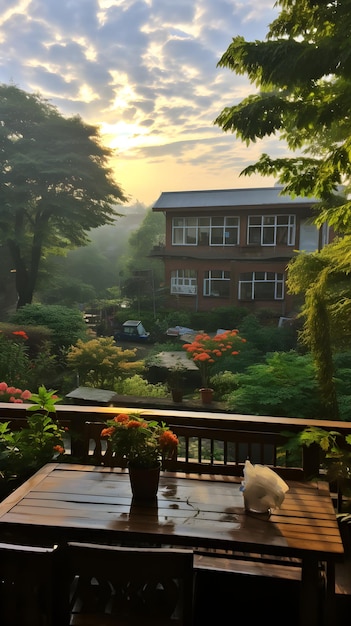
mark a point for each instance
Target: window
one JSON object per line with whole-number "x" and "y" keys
{"x": 183, "y": 282}
{"x": 205, "y": 231}
{"x": 217, "y": 283}
{"x": 261, "y": 286}
{"x": 271, "y": 230}
{"x": 184, "y": 231}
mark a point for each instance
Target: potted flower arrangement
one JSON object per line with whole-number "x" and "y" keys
{"x": 205, "y": 351}
{"x": 143, "y": 444}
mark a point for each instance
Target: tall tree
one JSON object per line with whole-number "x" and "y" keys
{"x": 55, "y": 183}
{"x": 302, "y": 71}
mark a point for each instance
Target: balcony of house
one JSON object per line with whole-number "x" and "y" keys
{"x": 232, "y": 253}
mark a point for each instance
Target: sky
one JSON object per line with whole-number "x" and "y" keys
{"x": 145, "y": 72}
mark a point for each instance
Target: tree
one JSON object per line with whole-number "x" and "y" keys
{"x": 55, "y": 185}
{"x": 324, "y": 278}
{"x": 303, "y": 73}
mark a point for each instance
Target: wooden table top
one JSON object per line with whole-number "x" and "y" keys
{"x": 80, "y": 502}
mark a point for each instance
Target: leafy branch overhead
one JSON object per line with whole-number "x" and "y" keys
{"x": 302, "y": 75}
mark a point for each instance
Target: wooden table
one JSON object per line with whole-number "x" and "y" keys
{"x": 80, "y": 502}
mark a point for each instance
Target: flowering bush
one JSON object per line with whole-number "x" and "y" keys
{"x": 206, "y": 350}
{"x": 20, "y": 365}
{"x": 12, "y": 394}
{"x": 142, "y": 443}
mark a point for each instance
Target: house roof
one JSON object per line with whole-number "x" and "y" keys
{"x": 250, "y": 197}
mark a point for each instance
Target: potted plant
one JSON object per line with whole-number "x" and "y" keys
{"x": 205, "y": 351}
{"x": 24, "y": 451}
{"x": 334, "y": 456}
{"x": 143, "y": 444}
{"x": 175, "y": 380}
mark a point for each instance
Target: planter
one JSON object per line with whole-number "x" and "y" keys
{"x": 144, "y": 481}
{"x": 206, "y": 395}
{"x": 177, "y": 395}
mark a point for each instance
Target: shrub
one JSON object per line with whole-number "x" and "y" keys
{"x": 100, "y": 363}
{"x": 285, "y": 385}
{"x": 67, "y": 325}
{"x": 137, "y": 386}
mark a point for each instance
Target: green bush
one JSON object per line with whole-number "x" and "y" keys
{"x": 67, "y": 325}
{"x": 285, "y": 385}
{"x": 137, "y": 386}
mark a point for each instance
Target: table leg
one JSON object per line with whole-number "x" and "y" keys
{"x": 329, "y": 610}
{"x": 309, "y": 594}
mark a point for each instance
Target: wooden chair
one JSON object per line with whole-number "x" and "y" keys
{"x": 127, "y": 586}
{"x": 27, "y": 585}
{"x": 98, "y": 450}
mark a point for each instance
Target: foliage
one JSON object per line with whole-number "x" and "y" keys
{"x": 14, "y": 360}
{"x": 324, "y": 279}
{"x": 100, "y": 363}
{"x": 137, "y": 386}
{"x": 302, "y": 74}
{"x": 206, "y": 350}
{"x": 326, "y": 272}
{"x": 67, "y": 324}
{"x": 285, "y": 385}
{"x": 141, "y": 275}
{"x": 143, "y": 443}
{"x": 335, "y": 451}
{"x": 17, "y": 367}
{"x": 24, "y": 451}
{"x": 55, "y": 183}
{"x": 223, "y": 384}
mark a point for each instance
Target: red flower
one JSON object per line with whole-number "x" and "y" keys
{"x": 20, "y": 333}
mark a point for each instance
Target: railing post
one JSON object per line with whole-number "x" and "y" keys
{"x": 311, "y": 461}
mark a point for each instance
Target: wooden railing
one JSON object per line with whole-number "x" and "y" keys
{"x": 236, "y": 436}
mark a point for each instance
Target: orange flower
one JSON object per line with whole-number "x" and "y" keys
{"x": 122, "y": 417}
{"x": 107, "y": 432}
{"x": 206, "y": 350}
{"x": 20, "y": 333}
{"x": 59, "y": 449}
{"x": 142, "y": 443}
{"x": 168, "y": 440}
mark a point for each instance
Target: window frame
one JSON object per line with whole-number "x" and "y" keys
{"x": 182, "y": 284}
{"x": 278, "y": 281}
{"x": 269, "y": 232}
{"x": 209, "y": 280}
{"x": 183, "y": 230}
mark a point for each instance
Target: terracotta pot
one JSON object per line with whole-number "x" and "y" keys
{"x": 144, "y": 481}
{"x": 206, "y": 395}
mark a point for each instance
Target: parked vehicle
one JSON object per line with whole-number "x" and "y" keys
{"x": 132, "y": 330}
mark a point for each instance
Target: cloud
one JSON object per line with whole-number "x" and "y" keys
{"x": 144, "y": 69}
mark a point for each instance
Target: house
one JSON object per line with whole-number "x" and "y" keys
{"x": 231, "y": 247}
